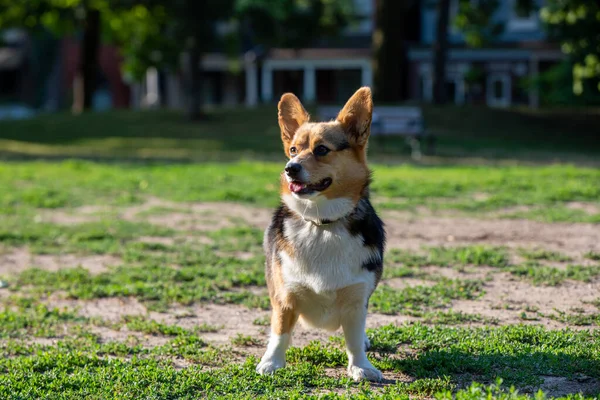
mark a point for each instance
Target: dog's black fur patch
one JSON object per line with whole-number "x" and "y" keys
{"x": 365, "y": 222}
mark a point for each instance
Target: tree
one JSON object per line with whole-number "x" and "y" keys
{"x": 90, "y": 17}
{"x": 440, "y": 50}
{"x": 395, "y": 24}
{"x": 575, "y": 24}
{"x": 294, "y": 23}
{"x": 191, "y": 25}
{"x": 476, "y": 22}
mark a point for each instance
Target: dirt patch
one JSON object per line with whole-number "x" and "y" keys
{"x": 200, "y": 216}
{"x": 20, "y": 259}
{"x": 124, "y": 335}
{"x": 512, "y": 301}
{"x": 111, "y": 309}
{"x": 556, "y": 386}
{"x": 412, "y": 233}
{"x": 167, "y": 241}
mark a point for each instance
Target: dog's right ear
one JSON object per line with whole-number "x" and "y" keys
{"x": 291, "y": 116}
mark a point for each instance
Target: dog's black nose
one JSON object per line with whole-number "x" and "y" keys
{"x": 293, "y": 169}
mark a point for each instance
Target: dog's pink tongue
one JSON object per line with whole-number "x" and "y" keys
{"x": 296, "y": 187}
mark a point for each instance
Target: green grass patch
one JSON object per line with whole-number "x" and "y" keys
{"x": 144, "y": 325}
{"x": 447, "y": 256}
{"x": 30, "y": 318}
{"x": 105, "y": 237}
{"x": 75, "y": 183}
{"x": 592, "y": 255}
{"x": 245, "y": 340}
{"x": 437, "y": 360}
{"x": 544, "y": 275}
{"x": 417, "y": 299}
{"x": 576, "y": 317}
{"x": 541, "y": 254}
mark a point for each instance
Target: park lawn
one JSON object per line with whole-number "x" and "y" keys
{"x": 174, "y": 239}
{"x": 549, "y": 193}
{"x": 230, "y": 134}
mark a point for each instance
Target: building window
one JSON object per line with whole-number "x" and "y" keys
{"x": 498, "y": 90}
{"x": 522, "y": 16}
{"x": 364, "y": 11}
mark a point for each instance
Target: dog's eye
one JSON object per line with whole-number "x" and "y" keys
{"x": 293, "y": 150}
{"x": 320, "y": 150}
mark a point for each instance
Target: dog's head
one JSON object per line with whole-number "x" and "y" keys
{"x": 327, "y": 160}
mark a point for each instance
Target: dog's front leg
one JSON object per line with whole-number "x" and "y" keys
{"x": 353, "y": 323}
{"x": 282, "y": 323}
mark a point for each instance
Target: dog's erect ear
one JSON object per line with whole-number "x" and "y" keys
{"x": 356, "y": 115}
{"x": 291, "y": 116}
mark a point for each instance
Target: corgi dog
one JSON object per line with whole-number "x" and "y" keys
{"x": 324, "y": 246}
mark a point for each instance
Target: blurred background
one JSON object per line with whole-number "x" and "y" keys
{"x": 513, "y": 79}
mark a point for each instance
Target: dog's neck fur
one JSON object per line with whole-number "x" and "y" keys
{"x": 320, "y": 210}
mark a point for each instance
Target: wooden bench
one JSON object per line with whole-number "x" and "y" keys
{"x": 393, "y": 121}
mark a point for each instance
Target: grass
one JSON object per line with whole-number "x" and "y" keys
{"x": 105, "y": 237}
{"x": 57, "y": 353}
{"x": 437, "y": 359}
{"x": 541, "y": 254}
{"x": 30, "y": 186}
{"x": 539, "y": 274}
{"x": 253, "y": 133}
{"x": 414, "y": 300}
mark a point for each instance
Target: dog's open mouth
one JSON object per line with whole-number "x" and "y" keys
{"x": 305, "y": 188}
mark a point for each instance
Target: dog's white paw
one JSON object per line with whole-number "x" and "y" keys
{"x": 368, "y": 372}
{"x": 268, "y": 365}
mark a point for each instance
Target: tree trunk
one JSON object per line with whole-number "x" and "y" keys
{"x": 87, "y": 68}
{"x": 194, "y": 83}
{"x": 391, "y": 63}
{"x": 440, "y": 53}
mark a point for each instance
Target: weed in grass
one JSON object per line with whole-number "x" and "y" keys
{"x": 319, "y": 354}
{"x": 415, "y": 300}
{"x": 576, "y": 318}
{"x": 262, "y": 321}
{"x": 245, "y": 340}
{"x": 142, "y": 324}
{"x": 541, "y": 254}
{"x": 592, "y": 255}
{"x": 543, "y": 275}
{"x": 455, "y": 318}
{"x": 527, "y": 317}
{"x": 35, "y": 319}
{"x": 206, "y": 328}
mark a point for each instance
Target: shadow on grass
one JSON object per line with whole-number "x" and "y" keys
{"x": 231, "y": 134}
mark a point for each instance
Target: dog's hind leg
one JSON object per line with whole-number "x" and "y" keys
{"x": 282, "y": 324}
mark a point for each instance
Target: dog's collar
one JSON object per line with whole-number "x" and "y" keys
{"x": 321, "y": 222}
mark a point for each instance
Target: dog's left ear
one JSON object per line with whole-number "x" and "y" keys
{"x": 356, "y": 116}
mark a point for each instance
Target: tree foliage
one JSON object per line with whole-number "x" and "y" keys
{"x": 294, "y": 23}
{"x": 476, "y": 22}
{"x": 576, "y": 24}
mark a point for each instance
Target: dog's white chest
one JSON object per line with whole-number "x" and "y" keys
{"x": 326, "y": 258}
